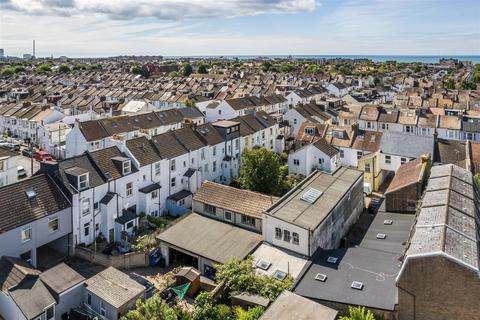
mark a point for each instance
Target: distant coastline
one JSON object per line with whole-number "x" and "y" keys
{"x": 377, "y": 58}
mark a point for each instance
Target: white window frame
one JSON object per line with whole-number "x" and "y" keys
{"x": 85, "y": 209}
{"x": 83, "y": 184}
{"x": 157, "y": 169}
{"x": 23, "y": 232}
{"x": 129, "y": 189}
{"x": 58, "y": 224}
{"x": 126, "y": 167}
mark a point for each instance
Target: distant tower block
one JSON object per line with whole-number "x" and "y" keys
{"x": 33, "y": 53}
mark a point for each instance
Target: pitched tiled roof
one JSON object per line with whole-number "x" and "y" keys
{"x": 409, "y": 173}
{"x": 13, "y": 271}
{"x": 114, "y": 287}
{"x": 322, "y": 145}
{"x": 17, "y": 210}
{"x": 143, "y": 150}
{"x": 237, "y": 200}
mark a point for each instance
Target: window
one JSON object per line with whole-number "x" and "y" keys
{"x": 388, "y": 159}
{"x": 342, "y": 153}
{"x": 214, "y": 168}
{"x": 296, "y": 162}
{"x": 214, "y": 152}
{"x": 193, "y": 160}
{"x": 403, "y": 160}
{"x": 86, "y": 229}
{"x": 294, "y": 121}
{"x": 237, "y": 144}
{"x": 129, "y": 225}
{"x": 248, "y": 220}
{"x": 103, "y": 312}
{"x": 369, "y": 125}
{"x": 95, "y": 206}
{"x": 408, "y": 129}
{"x": 295, "y": 238}
{"x": 384, "y": 126}
{"x": 89, "y": 299}
{"x": 345, "y": 122}
{"x": 219, "y": 111}
{"x": 52, "y": 224}
{"x": 309, "y": 131}
{"x": 129, "y": 189}
{"x": 263, "y": 135}
{"x": 83, "y": 181}
{"x": 50, "y": 313}
{"x": 359, "y": 154}
{"x": 205, "y": 168}
{"x": 228, "y": 216}
{"x": 85, "y": 206}
{"x": 209, "y": 209}
{"x": 126, "y": 167}
{"x": 278, "y": 233}
{"x": 97, "y": 226}
{"x": 154, "y": 194}
{"x": 286, "y": 236}
{"x": 202, "y": 154}
{"x": 26, "y": 234}
{"x": 172, "y": 165}
{"x": 470, "y": 136}
{"x": 173, "y": 182}
{"x": 157, "y": 168}
{"x": 367, "y": 167}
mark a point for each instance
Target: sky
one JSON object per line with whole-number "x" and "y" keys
{"x": 96, "y": 28}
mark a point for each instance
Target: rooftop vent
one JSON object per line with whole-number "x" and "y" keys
{"x": 279, "y": 275}
{"x": 388, "y": 222}
{"x": 31, "y": 194}
{"x": 332, "y": 259}
{"x": 357, "y": 285}
{"x": 321, "y": 277}
{"x": 263, "y": 264}
{"x": 381, "y": 236}
{"x": 311, "y": 195}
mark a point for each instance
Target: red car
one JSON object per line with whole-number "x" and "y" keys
{"x": 42, "y": 156}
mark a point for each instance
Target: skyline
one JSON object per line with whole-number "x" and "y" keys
{"x": 92, "y": 28}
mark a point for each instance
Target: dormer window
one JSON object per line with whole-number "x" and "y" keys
{"x": 309, "y": 131}
{"x": 83, "y": 181}
{"x": 126, "y": 167}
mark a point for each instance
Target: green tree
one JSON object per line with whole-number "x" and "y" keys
{"x": 465, "y": 84}
{"x": 152, "y": 309}
{"x": 174, "y": 74}
{"x": 205, "y": 308}
{"x": 202, "y": 68}
{"x": 7, "y": 71}
{"x": 240, "y": 276}
{"x": 260, "y": 170}
{"x": 287, "y": 67}
{"x": 313, "y": 69}
{"x": 250, "y": 314}
{"x": 44, "y": 67}
{"x": 266, "y": 66}
{"x": 187, "y": 69}
{"x": 449, "y": 83}
{"x": 19, "y": 69}
{"x": 477, "y": 180}
{"x": 358, "y": 313}
{"x": 64, "y": 68}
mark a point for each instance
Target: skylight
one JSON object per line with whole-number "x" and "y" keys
{"x": 381, "y": 236}
{"x": 332, "y": 259}
{"x": 263, "y": 264}
{"x": 321, "y": 277}
{"x": 357, "y": 285}
{"x": 31, "y": 194}
{"x": 388, "y": 222}
{"x": 311, "y": 195}
{"x": 280, "y": 275}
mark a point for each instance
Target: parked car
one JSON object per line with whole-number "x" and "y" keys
{"x": 42, "y": 156}
{"x": 27, "y": 153}
{"x": 21, "y": 172}
{"x": 10, "y": 145}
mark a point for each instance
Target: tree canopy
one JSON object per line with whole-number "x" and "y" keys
{"x": 205, "y": 308}
{"x": 240, "y": 276}
{"x": 64, "y": 68}
{"x": 202, "y": 68}
{"x": 358, "y": 313}
{"x": 152, "y": 309}
{"x": 187, "y": 69}
{"x": 260, "y": 170}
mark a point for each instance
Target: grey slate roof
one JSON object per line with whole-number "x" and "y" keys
{"x": 32, "y": 297}
{"x": 447, "y": 219}
{"x": 406, "y": 145}
{"x": 17, "y": 210}
{"x": 61, "y": 278}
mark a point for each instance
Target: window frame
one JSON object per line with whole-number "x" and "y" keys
{"x": 30, "y": 233}
{"x": 51, "y": 219}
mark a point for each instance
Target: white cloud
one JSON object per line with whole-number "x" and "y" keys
{"x": 161, "y": 9}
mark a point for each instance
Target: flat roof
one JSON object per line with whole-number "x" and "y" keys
{"x": 292, "y": 306}
{"x": 308, "y": 215}
{"x": 280, "y": 259}
{"x": 375, "y": 269}
{"x": 211, "y": 239}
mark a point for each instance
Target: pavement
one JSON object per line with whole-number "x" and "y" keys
{"x": 25, "y": 162}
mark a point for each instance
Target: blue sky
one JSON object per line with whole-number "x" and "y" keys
{"x": 79, "y": 28}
